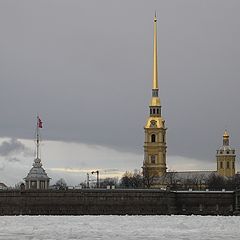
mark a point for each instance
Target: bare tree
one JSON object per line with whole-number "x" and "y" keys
{"x": 61, "y": 184}
{"x": 132, "y": 180}
{"x": 170, "y": 179}
{"x": 108, "y": 182}
{"x": 216, "y": 182}
{"x": 148, "y": 179}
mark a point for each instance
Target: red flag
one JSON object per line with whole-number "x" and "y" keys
{"x": 40, "y": 125}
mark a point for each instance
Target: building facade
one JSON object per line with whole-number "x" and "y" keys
{"x": 226, "y": 158}
{"x": 154, "y": 164}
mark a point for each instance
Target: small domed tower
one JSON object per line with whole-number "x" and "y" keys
{"x": 226, "y": 158}
{"x": 37, "y": 178}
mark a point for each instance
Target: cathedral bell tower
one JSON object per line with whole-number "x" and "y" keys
{"x": 226, "y": 158}
{"x": 154, "y": 163}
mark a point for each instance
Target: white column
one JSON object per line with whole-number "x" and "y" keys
{"x": 38, "y": 183}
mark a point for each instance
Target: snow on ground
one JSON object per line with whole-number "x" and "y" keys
{"x": 119, "y": 227}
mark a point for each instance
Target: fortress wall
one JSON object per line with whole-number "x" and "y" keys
{"x": 205, "y": 203}
{"x": 114, "y": 202}
{"x": 80, "y": 202}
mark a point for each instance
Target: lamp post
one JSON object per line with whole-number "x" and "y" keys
{"x": 87, "y": 180}
{"x": 98, "y": 183}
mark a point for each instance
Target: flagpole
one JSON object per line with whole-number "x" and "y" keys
{"x": 37, "y": 137}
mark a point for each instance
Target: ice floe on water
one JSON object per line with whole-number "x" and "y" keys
{"x": 119, "y": 227}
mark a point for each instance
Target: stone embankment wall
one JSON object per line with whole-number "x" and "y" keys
{"x": 205, "y": 203}
{"x": 115, "y": 202}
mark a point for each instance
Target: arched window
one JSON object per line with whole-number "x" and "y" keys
{"x": 221, "y": 164}
{"x": 153, "y": 138}
{"x": 153, "y": 159}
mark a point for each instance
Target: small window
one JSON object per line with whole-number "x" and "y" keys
{"x": 153, "y": 159}
{"x": 221, "y": 152}
{"x": 153, "y": 138}
{"x": 150, "y": 111}
{"x": 154, "y": 111}
{"x": 227, "y": 152}
{"x": 228, "y": 165}
{"x": 233, "y": 151}
{"x": 233, "y": 165}
{"x": 157, "y": 110}
{"x": 221, "y": 164}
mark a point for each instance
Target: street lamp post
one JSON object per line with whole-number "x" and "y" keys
{"x": 87, "y": 180}
{"x": 98, "y": 183}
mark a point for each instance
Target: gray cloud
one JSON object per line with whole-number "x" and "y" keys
{"x": 86, "y": 67}
{"x": 12, "y": 147}
{"x": 13, "y": 159}
{"x": 2, "y": 166}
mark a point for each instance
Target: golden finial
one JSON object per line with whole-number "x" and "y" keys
{"x": 155, "y": 66}
{"x": 225, "y": 135}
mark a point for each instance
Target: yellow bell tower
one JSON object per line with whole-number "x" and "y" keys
{"x": 226, "y": 158}
{"x": 154, "y": 163}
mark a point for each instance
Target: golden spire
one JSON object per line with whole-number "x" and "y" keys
{"x": 155, "y": 65}
{"x": 155, "y": 101}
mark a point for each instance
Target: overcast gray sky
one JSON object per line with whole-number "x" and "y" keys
{"x": 86, "y": 68}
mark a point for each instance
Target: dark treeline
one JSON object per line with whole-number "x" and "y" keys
{"x": 216, "y": 182}
{"x": 170, "y": 181}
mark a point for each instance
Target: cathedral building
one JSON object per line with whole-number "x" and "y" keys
{"x": 197, "y": 180}
{"x": 154, "y": 163}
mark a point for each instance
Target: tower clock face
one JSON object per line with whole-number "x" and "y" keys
{"x": 153, "y": 124}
